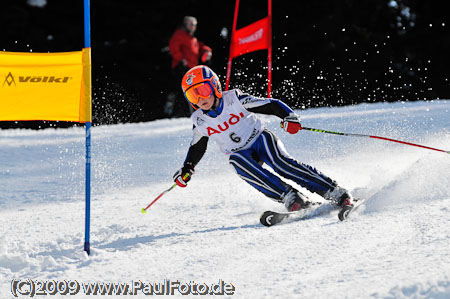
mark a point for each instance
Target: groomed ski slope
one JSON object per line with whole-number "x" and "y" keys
{"x": 398, "y": 246}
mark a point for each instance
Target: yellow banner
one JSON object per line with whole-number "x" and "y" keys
{"x": 45, "y": 86}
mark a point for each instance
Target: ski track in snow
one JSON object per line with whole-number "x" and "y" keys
{"x": 395, "y": 246}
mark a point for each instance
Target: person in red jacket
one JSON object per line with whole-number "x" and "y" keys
{"x": 186, "y": 51}
{"x": 185, "y": 48}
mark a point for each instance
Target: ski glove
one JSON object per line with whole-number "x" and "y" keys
{"x": 291, "y": 123}
{"x": 183, "y": 175}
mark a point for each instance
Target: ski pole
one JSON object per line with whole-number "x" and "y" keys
{"x": 144, "y": 210}
{"x": 376, "y": 137}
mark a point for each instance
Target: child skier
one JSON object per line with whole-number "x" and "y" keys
{"x": 229, "y": 118}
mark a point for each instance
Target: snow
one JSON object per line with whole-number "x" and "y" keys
{"x": 396, "y": 246}
{"x": 37, "y": 3}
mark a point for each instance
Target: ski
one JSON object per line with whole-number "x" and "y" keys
{"x": 345, "y": 212}
{"x": 270, "y": 218}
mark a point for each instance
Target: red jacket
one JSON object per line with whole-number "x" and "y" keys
{"x": 182, "y": 45}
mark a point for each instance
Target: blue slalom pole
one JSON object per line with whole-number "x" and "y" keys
{"x": 87, "y": 44}
{"x": 87, "y": 24}
{"x": 87, "y": 245}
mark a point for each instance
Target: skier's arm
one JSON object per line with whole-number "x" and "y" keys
{"x": 290, "y": 122}
{"x": 195, "y": 153}
{"x": 264, "y": 105}
{"x": 196, "y": 150}
{"x": 274, "y": 107}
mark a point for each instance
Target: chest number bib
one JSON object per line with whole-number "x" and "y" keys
{"x": 235, "y": 138}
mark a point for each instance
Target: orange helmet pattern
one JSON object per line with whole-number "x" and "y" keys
{"x": 200, "y": 82}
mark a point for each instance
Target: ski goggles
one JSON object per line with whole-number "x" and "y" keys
{"x": 202, "y": 90}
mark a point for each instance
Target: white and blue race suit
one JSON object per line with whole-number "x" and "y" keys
{"x": 241, "y": 135}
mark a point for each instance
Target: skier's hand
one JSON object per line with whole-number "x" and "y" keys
{"x": 291, "y": 123}
{"x": 183, "y": 175}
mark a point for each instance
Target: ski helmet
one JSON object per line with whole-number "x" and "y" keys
{"x": 200, "y": 82}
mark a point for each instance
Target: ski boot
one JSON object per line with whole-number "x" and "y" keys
{"x": 294, "y": 200}
{"x": 341, "y": 198}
